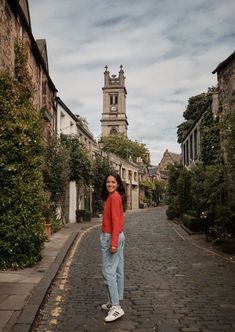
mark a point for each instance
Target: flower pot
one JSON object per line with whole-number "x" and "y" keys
{"x": 80, "y": 215}
{"x": 87, "y": 216}
{"x": 47, "y": 231}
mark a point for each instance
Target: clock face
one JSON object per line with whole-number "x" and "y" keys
{"x": 113, "y": 108}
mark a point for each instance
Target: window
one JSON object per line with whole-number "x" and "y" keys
{"x": 187, "y": 154}
{"x": 195, "y": 143}
{"x": 123, "y": 173}
{"x": 191, "y": 147}
{"x": 113, "y": 99}
{"x": 113, "y": 131}
{"x": 135, "y": 176}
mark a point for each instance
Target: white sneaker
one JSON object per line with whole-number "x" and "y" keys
{"x": 114, "y": 313}
{"x": 106, "y": 306}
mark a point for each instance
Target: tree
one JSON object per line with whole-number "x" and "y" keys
{"x": 182, "y": 130}
{"x": 21, "y": 162}
{"x": 101, "y": 167}
{"x": 56, "y": 179}
{"x": 56, "y": 170}
{"x": 79, "y": 162}
{"x": 210, "y": 139}
{"x": 197, "y": 105}
{"x": 172, "y": 191}
{"x": 125, "y": 148}
{"x": 183, "y": 191}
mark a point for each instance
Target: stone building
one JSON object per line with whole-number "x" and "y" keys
{"x": 191, "y": 145}
{"x": 15, "y": 26}
{"x": 169, "y": 158}
{"x": 226, "y": 89}
{"x": 114, "y": 119}
{"x": 129, "y": 174}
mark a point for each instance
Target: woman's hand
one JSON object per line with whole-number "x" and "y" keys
{"x": 113, "y": 249}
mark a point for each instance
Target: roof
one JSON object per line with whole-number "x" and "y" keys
{"x": 142, "y": 167}
{"x": 76, "y": 118}
{"x": 176, "y": 157}
{"x": 43, "y": 50}
{"x": 21, "y": 8}
{"x": 224, "y": 63}
{"x": 152, "y": 171}
{"x": 25, "y": 7}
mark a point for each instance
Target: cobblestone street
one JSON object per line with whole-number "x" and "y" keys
{"x": 171, "y": 283}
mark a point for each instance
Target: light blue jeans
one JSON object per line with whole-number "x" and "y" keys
{"x": 113, "y": 268}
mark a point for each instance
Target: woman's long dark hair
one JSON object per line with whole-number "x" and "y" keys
{"x": 120, "y": 188}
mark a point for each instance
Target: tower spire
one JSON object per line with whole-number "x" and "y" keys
{"x": 114, "y": 119}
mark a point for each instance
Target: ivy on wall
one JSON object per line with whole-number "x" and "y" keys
{"x": 210, "y": 139}
{"x": 227, "y": 127}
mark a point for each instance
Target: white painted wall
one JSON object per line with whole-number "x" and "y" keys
{"x": 67, "y": 125}
{"x": 72, "y": 201}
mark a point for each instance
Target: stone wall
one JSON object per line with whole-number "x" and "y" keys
{"x": 9, "y": 29}
{"x": 226, "y": 85}
{"x": 14, "y": 26}
{"x": 169, "y": 158}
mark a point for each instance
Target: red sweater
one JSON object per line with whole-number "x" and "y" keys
{"x": 113, "y": 218}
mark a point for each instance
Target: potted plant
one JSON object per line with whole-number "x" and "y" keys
{"x": 47, "y": 226}
{"x": 47, "y": 229}
{"x": 80, "y": 215}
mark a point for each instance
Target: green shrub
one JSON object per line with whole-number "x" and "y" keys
{"x": 192, "y": 222}
{"x": 224, "y": 223}
{"x": 21, "y": 160}
{"x": 100, "y": 168}
{"x": 172, "y": 212}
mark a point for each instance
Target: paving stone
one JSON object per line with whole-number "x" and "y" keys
{"x": 4, "y": 318}
{"x": 168, "y": 326}
{"x": 171, "y": 285}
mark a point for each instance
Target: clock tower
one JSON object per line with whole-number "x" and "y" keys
{"x": 114, "y": 119}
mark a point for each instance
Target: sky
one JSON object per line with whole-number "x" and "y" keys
{"x": 168, "y": 49}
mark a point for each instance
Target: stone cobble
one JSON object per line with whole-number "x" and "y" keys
{"x": 170, "y": 284}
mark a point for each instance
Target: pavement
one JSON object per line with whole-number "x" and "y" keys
{"x": 23, "y": 291}
{"x": 174, "y": 282}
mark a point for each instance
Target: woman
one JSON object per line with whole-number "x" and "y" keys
{"x": 112, "y": 244}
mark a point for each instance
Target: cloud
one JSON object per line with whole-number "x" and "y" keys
{"x": 168, "y": 51}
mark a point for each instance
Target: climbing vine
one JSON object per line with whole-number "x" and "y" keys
{"x": 80, "y": 168}
{"x": 210, "y": 139}
{"x": 21, "y": 161}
